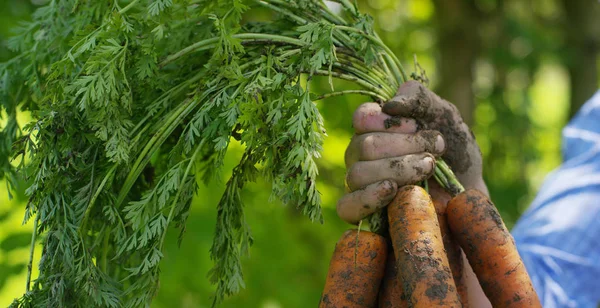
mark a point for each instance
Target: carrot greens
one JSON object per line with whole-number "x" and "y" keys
{"x": 132, "y": 101}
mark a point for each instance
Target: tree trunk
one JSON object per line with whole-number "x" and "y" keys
{"x": 583, "y": 42}
{"x": 458, "y": 42}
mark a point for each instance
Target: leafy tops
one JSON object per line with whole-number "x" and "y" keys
{"x": 132, "y": 103}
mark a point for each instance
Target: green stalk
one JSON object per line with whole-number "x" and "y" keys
{"x": 387, "y": 62}
{"x": 128, "y": 7}
{"x": 290, "y": 53}
{"x": 367, "y": 77}
{"x": 440, "y": 177}
{"x": 397, "y": 67}
{"x": 354, "y": 79}
{"x": 208, "y": 43}
{"x": 437, "y": 178}
{"x": 396, "y": 82}
{"x": 453, "y": 185}
{"x": 31, "y": 251}
{"x": 155, "y": 142}
{"x": 172, "y": 91}
{"x": 332, "y": 15}
{"x": 176, "y": 90}
{"x": 384, "y": 74}
{"x": 346, "y": 59}
{"x": 176, "y": 198}
{"x": 157, "y": 139}
{"x": 108, "y": 175}
{"x": 297, "y": 19}
{"x": 349, "y": 6}
{"x": 105, "y": 252}
{"x": 339, "y": 93}
{"x": 325, "y": 11}
{"x": 387, "y": 58}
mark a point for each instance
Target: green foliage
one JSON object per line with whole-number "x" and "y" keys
{"x": 132, "y": 103}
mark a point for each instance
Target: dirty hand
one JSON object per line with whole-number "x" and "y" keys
{"x": 397, "y": 145}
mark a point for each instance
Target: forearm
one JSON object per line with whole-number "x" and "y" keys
{"x": 476, "y": 296}
{"x": 478, "y": 184}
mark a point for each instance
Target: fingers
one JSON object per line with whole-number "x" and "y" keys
{"x": 374, "y": 146}
{"x": 369, "y": 118}
{"x": 415, "y": 101}
{"x": 363, "y": 202}
{"x": 408, "y": 169}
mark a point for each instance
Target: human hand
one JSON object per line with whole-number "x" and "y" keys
{"x": 397, "y": 145}
{"x": 434, "y": 113}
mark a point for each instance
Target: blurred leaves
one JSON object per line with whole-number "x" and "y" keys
{"x": 15, "y": 241}
{"x": 6, "y": 271}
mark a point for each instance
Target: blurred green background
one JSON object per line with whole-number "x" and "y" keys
{"x": 517, "y": 70}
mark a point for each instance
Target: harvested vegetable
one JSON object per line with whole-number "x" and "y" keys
{"x": 440, "y": 201}
{"x": 356, "y": 270}
{"x": 491, "y": 250}
{"x": 390, "y": 293}
{"x": 421, "y": 259}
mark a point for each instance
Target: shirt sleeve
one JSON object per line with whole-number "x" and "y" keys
{"x": 558, "y": 237}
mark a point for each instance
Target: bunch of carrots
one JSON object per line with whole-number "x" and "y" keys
{"x": 419, "y": 262}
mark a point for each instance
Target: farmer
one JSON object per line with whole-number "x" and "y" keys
{"x": 558, "y": 237}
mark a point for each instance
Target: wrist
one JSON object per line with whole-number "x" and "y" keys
{"x": 478, "y": 184}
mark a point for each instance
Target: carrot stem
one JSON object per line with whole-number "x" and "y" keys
{"x": 31, "y": 251}
{"x": 339, "y": 93}
{"x": 378, "y": 223}
{"x": 452, "y": 185}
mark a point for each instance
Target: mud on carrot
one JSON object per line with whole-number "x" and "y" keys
{"x": 491, "y": 250}
{"x": 355, "y": 271}
{"x": 417, "y": 241}
{"x": 390, "y": 294}
{"x": 440, "y": 201}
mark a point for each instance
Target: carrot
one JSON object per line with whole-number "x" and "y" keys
{"x": 455, "y": 259}
{"x": 355, "y": 271}
{"x": 440, "y": 201}
{"x": 491, "y": 250}
{"x": 417, "y": 240}
{"x": 390, "y": 294}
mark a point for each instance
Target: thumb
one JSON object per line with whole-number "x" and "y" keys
{"x": 415, "y": 101}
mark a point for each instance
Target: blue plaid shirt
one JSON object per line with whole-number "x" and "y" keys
{"x": 558, "y": 237}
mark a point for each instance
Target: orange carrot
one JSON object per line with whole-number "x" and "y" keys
{"x": 417, "y": 240}
{"x": 491, "y": 250}
{"x": 390, "y": 294}
{"x": 440, "y": 201}
{"x": 355, "y": 271}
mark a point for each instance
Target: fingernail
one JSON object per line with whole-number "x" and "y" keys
{"x": 386, "y": 188}
{"x": 433, "y": 141}
{"x": 440, "y": 145}
{"x": 429, "y": 163}
{"x": 387, "y": 192}
{"x": 393, "y": 107}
